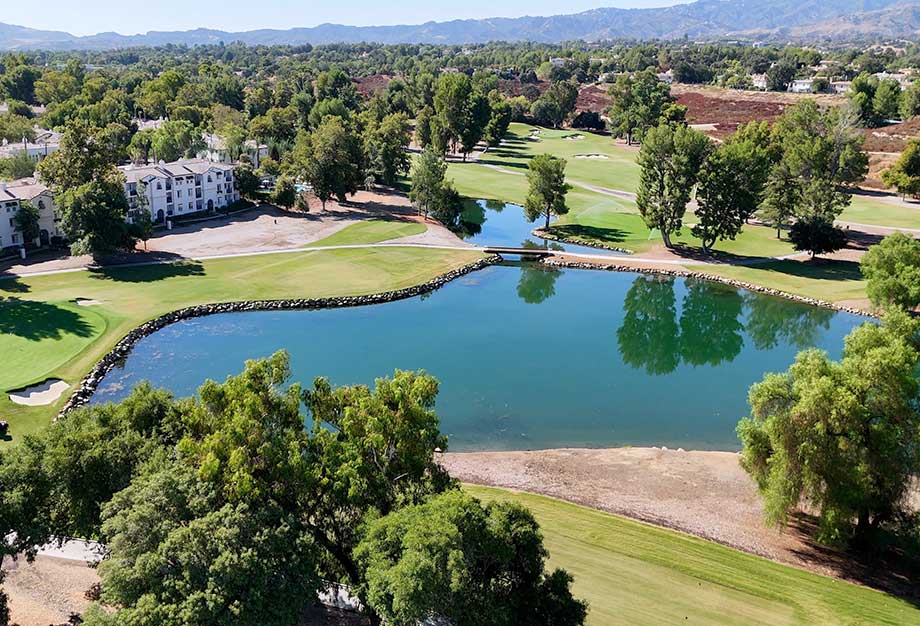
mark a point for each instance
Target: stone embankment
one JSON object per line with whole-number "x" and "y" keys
{"x": 682, "y": 273}
{"x": 88, "y": 385}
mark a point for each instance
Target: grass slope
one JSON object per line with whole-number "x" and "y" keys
{"x": 634, "y": 573}
{"x": 48, "y": 335}
{"x": 866, "y": 209}
{"x": 371, "y": 231}
{"x": 617, "y": 171}
{"x": 833, "y": 281}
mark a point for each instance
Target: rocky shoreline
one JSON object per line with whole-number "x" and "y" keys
{"x": 683, "y": 273}
{"x": 545, "y": 234}
{"x": 87, "y": 387}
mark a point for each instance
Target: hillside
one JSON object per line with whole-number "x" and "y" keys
{"x": 702, "y": 19}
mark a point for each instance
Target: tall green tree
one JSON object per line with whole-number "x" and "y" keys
{"x": 556, "y": 105}
{"x": 330, "y": 159}
{"x": 669, "y": 160}
{"x": 841, "y": 436}
{"x": 427, "y": 181}
{"x": 639, "y": 102}
{"x": 385, "y": 145}
{"x": 93, "y": 216}
{"x": 904, "y": 175}
{"x": 19, "y": 165}
{"x": 546, "y": 188}
{"x": 782, "y": 196}
{"x": 26, "y": 221}
{"x": 81, "y": 158}
{"x": 727, "y": 195}
{"x": 451, "y": 104}
{"x": 892, "y": 272}
{"x": 373, "y": 454}
{"x": 453, "y": 556}
{"x": 814, "y": 231}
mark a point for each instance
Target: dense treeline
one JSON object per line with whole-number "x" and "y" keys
{"x": 224, "y": 509}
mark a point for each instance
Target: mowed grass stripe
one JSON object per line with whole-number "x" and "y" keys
{"x": 634, "y": 573}
{"x": 371, "y": 231}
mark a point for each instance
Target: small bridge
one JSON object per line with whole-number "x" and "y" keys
{"x": 538, "y": 253}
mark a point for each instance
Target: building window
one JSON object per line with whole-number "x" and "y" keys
{"x": 41, "y": 205}
{"x": 15, "y": 238}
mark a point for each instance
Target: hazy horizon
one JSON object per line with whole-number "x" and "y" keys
{"x": 97, "y": 16}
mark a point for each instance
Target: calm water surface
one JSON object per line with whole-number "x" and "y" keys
{"x": 527, "y": 357}
{"x": 495, "y": 223}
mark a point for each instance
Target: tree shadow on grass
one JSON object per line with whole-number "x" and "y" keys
{"x": 10, "y": 283}
{"x": 887, "y": 568}
{"x": 148, "y": 273}
{"x": 820, "y": 269}
{"x": 589, "y": 234}
{"x": 40, "y": 320}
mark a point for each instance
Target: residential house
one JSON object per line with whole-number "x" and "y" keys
{"x": 46, "y": 142}
{"x": 216, "y": 151}
{"x": 841, "y": 86}
{"x": 759, "y": 81}
{"x": 801, "y": 85}
{"x": 180, "y": 187}
{"x": 12, "y": 195}
{"x": 558, "y": 61}
{"x": 904, "y": 80}
{"x": 666, "y": 77}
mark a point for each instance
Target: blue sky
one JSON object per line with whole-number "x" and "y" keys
{"x": 82, "y": 17}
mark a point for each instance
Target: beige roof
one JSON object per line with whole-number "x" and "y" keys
{"x": 183, "y": 167}
{"x": 23, "y": 189}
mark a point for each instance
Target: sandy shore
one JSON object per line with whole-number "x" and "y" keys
{"x": 706, "y": 494}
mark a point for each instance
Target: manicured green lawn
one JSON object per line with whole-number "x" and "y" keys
{"x": 65, "y": 340}
{"x": 617, "y": 171}
{"x": 633, "y": 573}
{"x": 865, "y": 209}
{"x": 832, "y": 281}
{"x": 371, "y": 231}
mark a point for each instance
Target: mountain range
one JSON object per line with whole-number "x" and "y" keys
{"x": 703, "y": 19}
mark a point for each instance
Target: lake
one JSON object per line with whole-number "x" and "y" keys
{"x": 528, "y": 357}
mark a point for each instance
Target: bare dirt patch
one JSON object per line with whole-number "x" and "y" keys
{"x": 703, "y": 493}
{"x": 593, "y": 98}
{"x": 48, "y": 590}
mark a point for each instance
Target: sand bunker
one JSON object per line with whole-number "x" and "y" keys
{"x": 573, "y": 137}
{"x": 591, "y": 156}
{"x": 86, "y": 302}
{"x": 40, "y": 394}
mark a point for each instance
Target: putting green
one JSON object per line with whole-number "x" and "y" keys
{"x": 38, "y": 337}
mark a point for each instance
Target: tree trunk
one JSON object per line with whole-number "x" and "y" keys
{"x": 666, "y": 238}
{"x": 547, "y": 219}
{"x": 863, "y": 528}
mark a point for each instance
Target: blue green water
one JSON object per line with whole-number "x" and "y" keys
{"x": 496, "y": 223}
{"x": 527, "y": 357}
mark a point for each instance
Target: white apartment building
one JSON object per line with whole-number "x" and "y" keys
{"x": 181, "y": 187}
{"x": 12, "y": 195}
